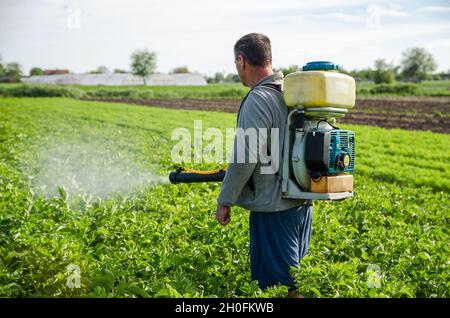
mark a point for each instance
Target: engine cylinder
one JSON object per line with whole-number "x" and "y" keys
{"x": 299, "y": 168}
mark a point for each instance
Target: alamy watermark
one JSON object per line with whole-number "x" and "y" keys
{"x": 247, "y": 146}
{"x": 373, "y": 273}
{"x": 73, "y": 12}
{"x": 373, "y": 20}
{"x": 74, "y": 278}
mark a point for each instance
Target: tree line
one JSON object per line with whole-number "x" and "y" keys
{"x": 416, "y": 65}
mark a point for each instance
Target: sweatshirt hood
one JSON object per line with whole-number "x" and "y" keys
{"x": 276, "y": 78}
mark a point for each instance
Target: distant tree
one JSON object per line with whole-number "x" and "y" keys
{"x": 102, "y": 69}
{"x": 219, "y": 77}
{"x": 232, "y": 78}
{"x": 367, "y": 74}
{"x": 343, "y": 70}
{"x": 13, "y": 71}
{"x": 36, "y": 71}
{"x": 417, "y": 63}
{"x": 383, "y": 72}
{"x": 381, "y": 65}
{"x": 143, "y": 63}
{"x": 2, "y": 68}
{"x": 180, "y": 70}
{"x": 397, "y": 72}
{"x": 223, "y": 78}
{"x": 119, "y": 71}
{"x": 385, "y": 77}
{"x": 288, "y": 70}
{"x": 435, "y": 77}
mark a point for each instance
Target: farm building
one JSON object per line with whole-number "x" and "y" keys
{"x": 188, "y": 79}
{"x": 56, "y": 72}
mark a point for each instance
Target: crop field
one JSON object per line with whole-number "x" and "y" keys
{"x": 413, "y": 113}
{"x": 427, "y": 107}
{"x": 427, "y": 88}
{"x": 83, "y": 190}
{"x": 220, "y": 91}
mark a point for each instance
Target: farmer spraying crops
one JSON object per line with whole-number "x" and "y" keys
{"x": 287, "y": 152}
{"x": 280, "y": 228}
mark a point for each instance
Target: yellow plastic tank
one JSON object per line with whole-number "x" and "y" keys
{"x": 319, "y": 84}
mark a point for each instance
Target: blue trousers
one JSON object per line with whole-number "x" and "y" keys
{"x": 278, "y": 240}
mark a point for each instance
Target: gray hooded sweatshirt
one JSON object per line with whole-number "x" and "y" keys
{"x": 245, "y": 185}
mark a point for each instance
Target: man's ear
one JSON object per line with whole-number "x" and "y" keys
{"x": 244, "y": 62}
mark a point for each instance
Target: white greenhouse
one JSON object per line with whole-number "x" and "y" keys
{"x": 188, "y": 79}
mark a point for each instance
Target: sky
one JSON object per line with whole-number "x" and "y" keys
{"x": 84, "y": 34}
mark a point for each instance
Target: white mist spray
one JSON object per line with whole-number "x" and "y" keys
{"x": 89, "y": 169}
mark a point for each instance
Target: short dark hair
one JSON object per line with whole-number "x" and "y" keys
{"x": 256, "y": 49}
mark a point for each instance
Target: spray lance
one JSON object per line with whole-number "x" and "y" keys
{"x": 186, "y": 175}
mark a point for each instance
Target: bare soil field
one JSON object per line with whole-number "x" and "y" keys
{"x": 413, "y": 113}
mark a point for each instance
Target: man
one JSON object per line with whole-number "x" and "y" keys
{"x": 280, "y": 229}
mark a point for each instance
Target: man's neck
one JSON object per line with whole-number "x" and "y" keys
{"x": 259, "y": 74}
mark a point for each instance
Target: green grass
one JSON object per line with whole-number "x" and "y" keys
{"x": 210, "y": 91}
{"x": 161, "y": 240}
{"x": 436, "y": 88}
{"x": 214, "y": 91}
{"x": 425, "y": 88}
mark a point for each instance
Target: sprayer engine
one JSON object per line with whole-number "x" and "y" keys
{"x": 330, "y": 152}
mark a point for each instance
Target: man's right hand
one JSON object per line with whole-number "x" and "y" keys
{"x": 223, "y": 214}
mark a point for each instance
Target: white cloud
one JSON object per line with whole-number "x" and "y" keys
{"x": 201, "y": 33}
{"x": 344, "y": 17}
{"x": 393, "y": 13}
{"x": 372, "y": 16}
{"x": 439, "y": 44}
{"x": 435, "y": 9}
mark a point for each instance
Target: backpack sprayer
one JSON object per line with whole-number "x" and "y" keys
{"x": 318, "y": 157}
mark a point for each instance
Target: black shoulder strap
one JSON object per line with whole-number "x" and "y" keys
{"x": 240, "y": 106}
